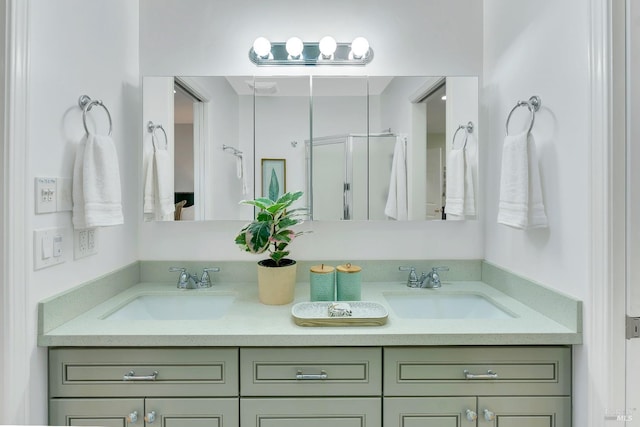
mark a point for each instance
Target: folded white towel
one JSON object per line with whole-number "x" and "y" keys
{"x": 521, "y": 204}
{"x": 158, "y": 187}
{"x": 455, "y": 194}
{"x": 396, "y": 206}
{"x": 77, "y": 194}
{"x": 460, "y": 198}
{"x": 96, "y": 185}
{"x": 469, "y": 186}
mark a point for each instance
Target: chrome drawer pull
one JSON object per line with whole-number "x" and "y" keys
{"x": 490, "y": 375}
{"x": 321, "y": 376}
{"x": 471, "y": 415}
{"x": 131, "y": 376}
{"x": 488, "y": 415}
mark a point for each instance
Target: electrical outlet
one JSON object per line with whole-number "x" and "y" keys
{"x": 85, "y": 243}
{"x": 92, "y": 242}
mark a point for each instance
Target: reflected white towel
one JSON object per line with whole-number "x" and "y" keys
{"x": 460, "y": 199}
{"x": 396, "y": 206}
{"x": 158, "y": 186}
{"x": 521, "y": 204}
{"x": 454, "y": 203}
{"x": 96, "y": 187}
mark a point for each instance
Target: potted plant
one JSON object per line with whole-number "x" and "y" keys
{"x": 271, "y": 232}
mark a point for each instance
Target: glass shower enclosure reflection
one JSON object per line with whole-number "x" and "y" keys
{"x": 351, "y": 175}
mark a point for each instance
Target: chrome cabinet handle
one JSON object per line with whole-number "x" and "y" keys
{"x": 490, "y": 375}
{"x": 321, "y": 376}
{"x": 488, "y": 415}
{"x": 471, "y": 415}
{"x": 150, "y": 417}
{"x": 131, "y": 376}
{"x": 132, "y": 417}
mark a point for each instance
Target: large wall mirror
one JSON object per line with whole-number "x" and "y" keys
{"x": 361, "y": 148}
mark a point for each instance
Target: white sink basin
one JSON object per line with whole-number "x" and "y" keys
{"x": 174, "y": 307}
{"x": 428, "y": 304}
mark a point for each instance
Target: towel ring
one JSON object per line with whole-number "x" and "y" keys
{"x": 468, "y": 128}
{"x": 151, "y": 128}
{"x": 87, "y": 104}
{"x": 533, "y": 104}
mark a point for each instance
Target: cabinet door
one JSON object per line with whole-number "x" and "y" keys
{"x": 429, "y": 411}
{"x": 96, "y": 412}
{"x": 524, "y": 412}
{"x": 193, "y": 412}
{"x": 311, "y": 412}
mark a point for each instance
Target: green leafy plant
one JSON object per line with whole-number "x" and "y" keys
{"x": 271, "y": 230}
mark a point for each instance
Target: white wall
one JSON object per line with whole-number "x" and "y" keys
{"x": 540, "y": 48}
{"x": 200, "y": 37}
{"x": 183, "y": 173}
{"x": 3, "y": 338}
{"x": 79, "y": 47}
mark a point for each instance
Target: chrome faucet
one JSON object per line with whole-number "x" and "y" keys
{"x": 432, "y": 280}
{"x": 190, "y": 281}
{"x": 412, "y": 280}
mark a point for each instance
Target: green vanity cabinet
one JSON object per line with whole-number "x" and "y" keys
{"x": 169, "y": 412}
{"x": 311, "y": 387}
{"x": 436, "y": 386}
{"x": 477, "y": 386}
{"x": 177, "y": 387}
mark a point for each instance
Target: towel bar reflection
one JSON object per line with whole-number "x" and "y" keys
{"x": 151, "y": 128}
{"x": 86, "y": 104}
{"x": 468, "y": 128}
{"x": 533, "y": 104}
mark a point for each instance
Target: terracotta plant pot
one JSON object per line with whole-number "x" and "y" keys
{"x": 276, "y": 285}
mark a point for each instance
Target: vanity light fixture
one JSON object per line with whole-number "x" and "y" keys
{"x": 296, "y": 52}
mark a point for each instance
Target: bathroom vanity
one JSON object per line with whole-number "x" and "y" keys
{"x": 253, "y": 366}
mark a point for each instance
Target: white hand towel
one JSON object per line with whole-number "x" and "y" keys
{"x": 164, "y": 181}
{"x": 469, "y": 189}
{"x": 396, "y": 206}
{"x": 77, "y": 194}
{"x": 101, "y": 183}
{"x": 158, "y": 187}
{"x": 455, "y": 196}
{"x": 521, "y": 204}
{"x": 150, "y": 187}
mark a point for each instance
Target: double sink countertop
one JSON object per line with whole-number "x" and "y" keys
{"x": 247, "y": 322}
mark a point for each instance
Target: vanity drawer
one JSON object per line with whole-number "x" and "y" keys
{"x": 181, "y": 372}
{"x": 454, "y": 371}
{"x": 310, "y": 371}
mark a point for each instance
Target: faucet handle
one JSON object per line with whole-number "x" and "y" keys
{"x": 412, "y": 281}
{"x": 183, "y": 278}
{"x": 436, "y": 269}
{"x": 205, "y": 281}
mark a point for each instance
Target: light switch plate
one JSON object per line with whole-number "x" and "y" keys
{"x": 50, "y": 246}
{"x": 46, "y": 195}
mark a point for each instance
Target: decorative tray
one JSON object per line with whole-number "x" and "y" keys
{"x": 362, "y": 313}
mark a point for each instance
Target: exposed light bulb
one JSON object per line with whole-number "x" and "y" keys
{"x": 444, "y": 97}
{"x": 327, "y": 46}
{"x": 359, "y": 47}
{"x": 262, "y": 47}
{"x": 294, "y": 47}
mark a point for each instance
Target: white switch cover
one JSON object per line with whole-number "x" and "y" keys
{"x": 49, "y": 246}
{"x": 46, "y": 195}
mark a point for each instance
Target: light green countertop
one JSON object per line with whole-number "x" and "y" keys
{"x": 250, "y": 323}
